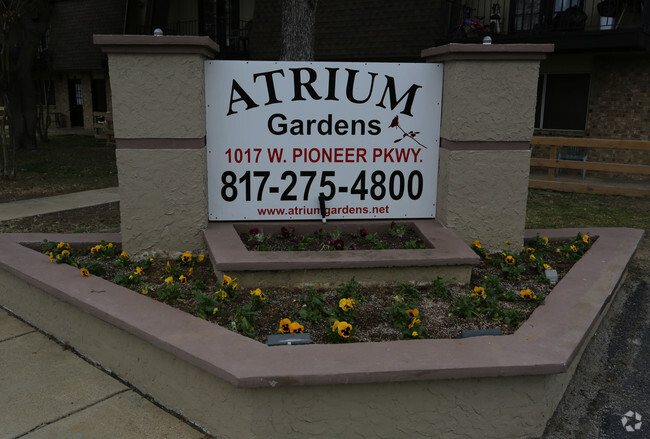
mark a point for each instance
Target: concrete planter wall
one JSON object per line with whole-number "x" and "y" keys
{"x": 447, "y": 257}
{"x": 482, "y": 387}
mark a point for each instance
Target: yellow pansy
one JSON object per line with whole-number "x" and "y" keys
{"x": 479, "y": 291}
{"x": 344, "y": 329}
{"x": 413, "y": 312}
{"x": 284, "y": 326}
{"x": 296, "y": 328}
{"x": 346, "y": 304}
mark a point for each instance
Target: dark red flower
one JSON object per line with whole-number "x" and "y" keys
{"x": 254, "y": 231}
{"x": 287, "y": 232}
{"x": 394, "y": 123}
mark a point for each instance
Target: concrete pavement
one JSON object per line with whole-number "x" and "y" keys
{"x": 47, "y": 391}
{"x": 50, "y": 392}
{"x": 57, "y": 203}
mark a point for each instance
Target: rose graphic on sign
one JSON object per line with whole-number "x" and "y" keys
{"x": 410, "y": 134}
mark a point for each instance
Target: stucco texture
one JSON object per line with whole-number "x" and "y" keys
{"x": 489, "y": 100}
{"x": 486, "y": 408}
{"x": 163, "y": 199}
{"x": 157, "y": 96}
{"x": 482, "y": 195}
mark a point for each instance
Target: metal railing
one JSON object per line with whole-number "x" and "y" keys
{"x": 476, "y": 18}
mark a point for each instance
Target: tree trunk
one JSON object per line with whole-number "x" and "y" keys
{"x": 298, "y": 19}
{"x": 21, "y": 37}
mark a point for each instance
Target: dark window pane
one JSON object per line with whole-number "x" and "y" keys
{"x": 565, "y": 103}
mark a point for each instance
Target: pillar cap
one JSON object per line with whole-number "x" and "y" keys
{"x": 150, "y": 44}
{"x": 487, "y": 52}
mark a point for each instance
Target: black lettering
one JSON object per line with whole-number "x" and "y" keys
{"x": 282, "y": 127}
{"x": 325, "y": 126}
{"x": 341, "y": 127}
{"x": 390, "y": 88}
{"x": 298, "y": 85}
{"x": 331, "y": 85}
{"x": 350, "y": 86}
{"x": 310, "y": 123}
{"x": 374, "y": 127}
{"x": 296, "y": 127}
{"x": 243, "y": 96}
{"x": 270, "y": 85}
{"x": 361, "y": 124}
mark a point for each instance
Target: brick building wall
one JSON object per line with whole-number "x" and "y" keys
{"x": 620, "y": 97}
{"x": 619, "y": 108}
{"x": 360, "y": 30}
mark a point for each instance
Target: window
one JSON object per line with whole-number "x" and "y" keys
{"x": 562, "y": 102}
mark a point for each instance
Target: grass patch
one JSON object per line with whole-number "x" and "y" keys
{"x": 65, "y": 164}
{"x": 548, "y": 209}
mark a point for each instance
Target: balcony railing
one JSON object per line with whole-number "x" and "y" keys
{"x": 522, "y": 19}
{"x": 233, "y": 41}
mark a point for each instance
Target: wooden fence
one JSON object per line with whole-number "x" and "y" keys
{"x": 553, "y": 163}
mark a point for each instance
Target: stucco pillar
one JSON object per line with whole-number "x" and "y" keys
{"x": 488, "y": 115}
{"x": 158, "y": 96}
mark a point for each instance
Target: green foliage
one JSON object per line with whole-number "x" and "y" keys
{"x": 511, "y": 266}
{"x": 352, "y": 289}
{"x": 103, "y": 250}
{"x": 478, "y": 249}
{"x": 408, "y": 292}
{"x": 415, "y": 244}
{"x": 376, "y": 241}
{"x": 242, "y": 320}
{"x": 576, "y": 247}
{"x": 398, "y": 229}
{"x": 94, "y": 267}
{"x": 206, "y": 304}
{"x": 299, "y": 243}
{"x": 406, "y": 317}
{"x": 59, "y": 252}
{"x": 126, "y": 280}
{"x": 313, "y": 307}
{"x": 508, "y": 316}
{"x": 440, "y": 289}
{"x": 170, "y": 292}
{"x": 466, "y": 306}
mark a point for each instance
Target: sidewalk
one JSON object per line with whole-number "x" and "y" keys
{"x": 50, "y": 392}
{"x": 57, "y": 203}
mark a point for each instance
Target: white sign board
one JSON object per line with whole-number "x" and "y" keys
{"x": 287, "y": 138}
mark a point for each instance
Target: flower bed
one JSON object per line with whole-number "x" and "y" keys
{"x": 237, "y": 387}
{"x": 504, "y": 290}
{"x": 396, "y": 236}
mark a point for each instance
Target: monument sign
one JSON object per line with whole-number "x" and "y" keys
{"x": 306, "y": 140}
